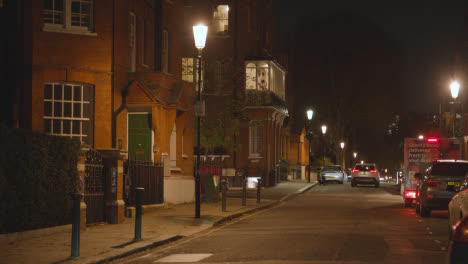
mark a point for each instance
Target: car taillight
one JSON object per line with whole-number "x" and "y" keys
{"x": 355, "y": 170}
{"x": 373, "y": 171}
{"x": 410, "y": 194}
{"x": 432, "y": 183}
{"x": 460, "y": 233}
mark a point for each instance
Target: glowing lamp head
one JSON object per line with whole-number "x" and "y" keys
{"x": 454, "y": 89}
{"x": 199, "y": 34}
{"x": 362, "y": 162}
{"x": 342, "y": 145}
{"x": 324, "y": 129}
{"x": 355, "y": 154}
{"x": 420, "y": 137}
{"x": 310, "y": 114}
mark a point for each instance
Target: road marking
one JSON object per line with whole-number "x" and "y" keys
{"x": 184, "y": 258}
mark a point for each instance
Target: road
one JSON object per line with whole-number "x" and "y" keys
{"x": 327, "y": 224}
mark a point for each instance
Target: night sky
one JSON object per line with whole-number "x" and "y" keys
{"x": 394, "y": 57}
{"x": 426, "y": 33}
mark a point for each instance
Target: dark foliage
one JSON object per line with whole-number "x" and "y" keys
{"x": 38, "y": 174}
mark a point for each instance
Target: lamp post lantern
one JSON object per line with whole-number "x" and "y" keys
{"x": 343, "y": 162}
{"x": 199, "y": 34}
{"x": 324, "y": 131}
{"x": 309, "y": 135}
{"x": 454, "y": 90}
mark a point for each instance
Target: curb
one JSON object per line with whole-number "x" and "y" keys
{"x": 140, "y": 249}
{"x": 303, "y": 190}
{"x": 216, "y": 223}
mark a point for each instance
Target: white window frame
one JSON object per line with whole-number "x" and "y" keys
{"x": 67, "y": 25}
{"x": 255, "y": 140}
{"x": 165, "y": 51}
{"x": 132, "y": 41}
{"x": 143, "y": 44}
{"x": 190, "y": 71}
{"x": 61, "y": 118}
{"x": 221, "y": 19}
{"x": 173, "y": 147}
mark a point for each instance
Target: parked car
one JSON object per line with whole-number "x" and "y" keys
{"x": 333, "y": 173}
{"x": 458, "y": 206}
{"x": 366, "y": 173}
{"x": 438, "y": 184}
{"x": 458, "y": 245}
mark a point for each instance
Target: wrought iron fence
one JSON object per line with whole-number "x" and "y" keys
{"x": 94, "y": 187}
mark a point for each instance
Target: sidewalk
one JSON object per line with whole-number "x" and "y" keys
{"x": 159, "y": 226}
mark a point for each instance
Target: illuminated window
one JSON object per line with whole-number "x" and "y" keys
{"x": 265, "y": 75}
{"x": 68, "y": 15}
{"x": 190, "y": 71}
{"x": 221, "y": 18}
{"x": 68, "y": 110}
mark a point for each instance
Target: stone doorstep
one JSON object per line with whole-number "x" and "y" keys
{"x": 130, "y": 210}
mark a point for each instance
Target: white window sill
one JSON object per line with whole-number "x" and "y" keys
{"x": 67, "y": 31}
{"x": 255, "y": 157}
{"x": 184, "y": 156}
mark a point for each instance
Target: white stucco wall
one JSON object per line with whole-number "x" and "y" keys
{"x": 303, "y": 173}
{"x": 179, "y": 189}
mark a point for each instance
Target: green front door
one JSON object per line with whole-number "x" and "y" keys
{"x": 139, "y": 136}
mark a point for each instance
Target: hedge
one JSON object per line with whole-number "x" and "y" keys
{"x": 38, "y": 174}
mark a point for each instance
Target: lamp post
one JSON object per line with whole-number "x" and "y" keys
{"x": 342, "y": 145}
{"x": 310, "y": 114}
{"x": 199, "y": 34}
{"x": 324, "y": 131}
{"x": 454, "y": 89}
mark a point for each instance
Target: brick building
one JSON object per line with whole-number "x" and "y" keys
{"x": 109, "y": 74}
{"x": 244, "y": 86}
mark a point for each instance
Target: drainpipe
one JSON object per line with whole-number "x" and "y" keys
{"x": 113, "y": 116}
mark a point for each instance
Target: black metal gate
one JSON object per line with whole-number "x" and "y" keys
{"x": 94, "y": 187}
{"x": 144, "y": 174}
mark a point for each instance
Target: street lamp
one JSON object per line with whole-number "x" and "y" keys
{"x": 199, "y": 34}
{"x": 342, "y": 145}
{"x": 454, "y": 89}
{"x": 324, "y": 131}
{"x": 421, "y": 137}
{"x": 362, "y": 162}
{"x": 309, "y": 135}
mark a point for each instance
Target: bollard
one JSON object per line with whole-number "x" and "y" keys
{"x": 259, "y": 183}
{"x": 244, "y": 191}
{"x": 75, "y": 245}
{"x": 223, "y": 194}
{"x": 138, "y": 202}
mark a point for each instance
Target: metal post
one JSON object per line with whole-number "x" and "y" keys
{"x": 310, "y": 152}
{"x": 244, "y": 191}
{"x": 259, "y": 183}
{"x": 138, "y": 202}
{"x": 75, "y": 244}
{"x": 197, "y": 176}
{"x": 223, "y": 194}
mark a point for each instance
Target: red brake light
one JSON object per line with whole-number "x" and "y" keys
{"x": 355, "y": 170}
{"x": 410, "y": 194}
{"x": 432, "y": 183}
{"x": 432, "y": 140}
{"x": 373, "y": 171}
{"x": 460, "y": 233}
